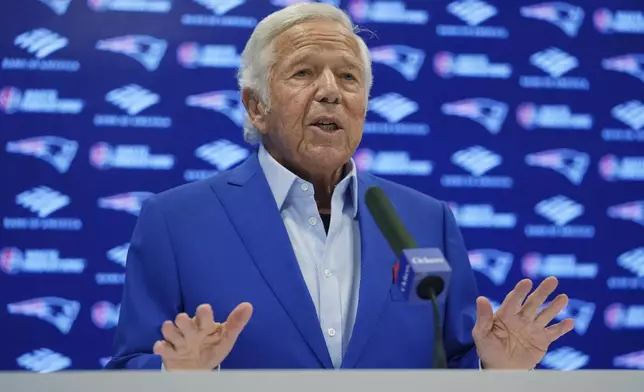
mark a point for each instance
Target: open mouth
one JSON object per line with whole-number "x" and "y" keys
{"x": 328, "y": 126}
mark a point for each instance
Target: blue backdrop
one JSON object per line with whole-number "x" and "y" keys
{"x": 527, "y": 117}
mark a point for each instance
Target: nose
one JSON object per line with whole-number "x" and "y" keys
{"x": 328, "y": 90}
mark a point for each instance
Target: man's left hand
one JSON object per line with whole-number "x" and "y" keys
{"x": 517, "y": 336}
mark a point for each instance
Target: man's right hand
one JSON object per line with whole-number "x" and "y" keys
{"x": 199, "y": 343}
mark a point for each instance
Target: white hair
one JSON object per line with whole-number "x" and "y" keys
{"x": 258, "y": 57}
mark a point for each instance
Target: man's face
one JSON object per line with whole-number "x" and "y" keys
{"x": 318, "y": 98}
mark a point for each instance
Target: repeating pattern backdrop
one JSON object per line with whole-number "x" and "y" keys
{"x": 527, "y": 116}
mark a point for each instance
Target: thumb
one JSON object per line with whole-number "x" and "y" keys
{"x": 484, "y": 317}
{"x": 238, "y": 319}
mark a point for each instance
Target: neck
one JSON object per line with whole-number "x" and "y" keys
{"x": 324, "y": 182}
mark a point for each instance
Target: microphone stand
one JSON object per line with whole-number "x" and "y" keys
{"x": 440, "y": 358}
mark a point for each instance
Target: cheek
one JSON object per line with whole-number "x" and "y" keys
{"x": 295, "y": 108}
{"x": 358, "y": 109}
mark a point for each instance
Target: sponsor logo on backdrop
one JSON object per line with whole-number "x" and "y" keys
{"x": 391, "y": 163}
{"x": 14, "y": 100}
{"x": 482, "y": 216}
{"x": 58, "y": 6}
{"x": 146, "y": 50}
{"x": 406, "y": 60}
{"x": 537, "y": 265}
{"x": 565, "y": 16}
{"x": 132, "y": 99}
{"x": 105, "y": 315}
{"x": 219, "y": 8}
{"x": 117, "y": 255}
{"x": 531, "y": 116}
{"x": 631, "y": 64}
{"x": 612, "y": 168}
{"x": 40, "y": 43}
{"x": 581, "y": 312}
{"x": 43, "y": 360}
{"x": 130, "y": 202}
{"x": 493, "y": 263}
{"x": 226, "y": 102}
{"x": 619, "y": 316}
{"x": 43, "y": 202}
{"x": 222, "y": 154}
{"x": 105, "y": 156}
{"x": 565, "y": 358}
{"x": 556, "y": 64}
{"x": 54, "y": 150}
{"x": 620, "y": 21}
{"x": 148, "y": 6}
{"x": 470, "y": 65}
{"x": 570, "y": 163}
{"x": 634, "y": 360}
{"x": 104, "y": 361}
{"x": 59, "y": 312}
{"x": 473, "y": 13}
{"x": 394, "y": 107}
{"x": 486, "y": 112}
{"x": 560, "y": 211}
{"x": 477, "y": 161}
{"x": 375, "y": 11}
{"x": 633, "y": 261}
{"x": 38, "y": 261}
{"x": 630, "y": 211}
{"x": 193, "y": 55}
{"x": 631, "y": 113}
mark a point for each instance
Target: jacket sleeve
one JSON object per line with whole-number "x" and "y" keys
{"x": 460, "y": 312}
{"x": 151, "y": 293}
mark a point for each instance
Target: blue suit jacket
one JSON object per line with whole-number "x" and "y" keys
{"x": 221, "y": 241}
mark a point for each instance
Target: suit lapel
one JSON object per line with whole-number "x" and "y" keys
{"x": 247, "y": 198}
{"x": 376, "y": 265}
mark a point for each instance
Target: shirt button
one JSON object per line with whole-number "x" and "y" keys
{"x": 327, "y": 273}
{"x": 331, "y": 332}
{"x": 313, "y": 221}
{"x": 305, "y": 187}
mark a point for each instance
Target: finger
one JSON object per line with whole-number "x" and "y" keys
{"x": 558, "y": 330}
{"x": 539, "y": 296}
{"x": 238, "y": 318}
{"x": 484, "y": 317}
{"x": 551, "y": 311}
{"x": 204, "y": 318}
{"x": 512, "y": 303}
{"x": 172, "y": 334}
{"x": 216, "y": 334}
{"x": 162, "y": 348}
{"x": 186, "y": 325}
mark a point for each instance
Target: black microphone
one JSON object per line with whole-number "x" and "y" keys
{"x": 424, "y": 269}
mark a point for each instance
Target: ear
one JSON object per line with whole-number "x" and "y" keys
{"x": 256, "y": 110}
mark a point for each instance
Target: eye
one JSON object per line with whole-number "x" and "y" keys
{"x": 349, "y": 76}
{"x": 302, "y": 72}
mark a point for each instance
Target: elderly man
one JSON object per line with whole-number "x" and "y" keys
{"x": 283, "y": 249}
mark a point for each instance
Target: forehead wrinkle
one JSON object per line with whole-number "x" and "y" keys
{"x": 298, "y": 37}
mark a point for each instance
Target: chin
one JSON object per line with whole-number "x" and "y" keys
{"x": 328, "y": 157}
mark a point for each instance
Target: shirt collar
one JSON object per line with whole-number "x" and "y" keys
{"x": 280, "y": 179}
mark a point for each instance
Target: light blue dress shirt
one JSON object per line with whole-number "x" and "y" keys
{"x": 330, "y": 263}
